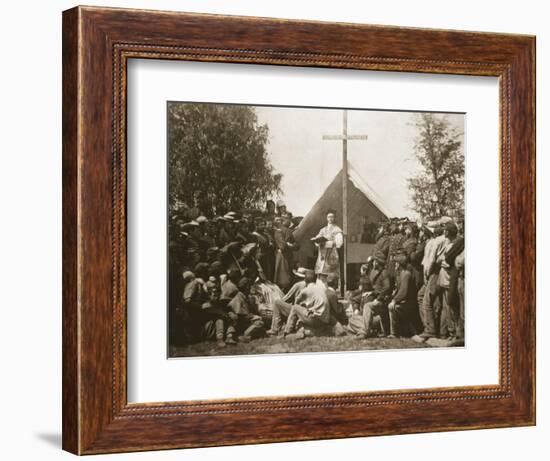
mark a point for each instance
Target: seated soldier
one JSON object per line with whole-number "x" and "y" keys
{"x": 202, "y": 314}
{"x": 338, "y": 316}
{"x": 401, "y": 307}
{"x": 299, "y": 285}
{"x": 215, "y": 270}
{"x": 248, "y": 324}
{"x": 311, "y": 310}
{"x": 376, "y": 303}
{"x": 229, "y": 285}
{"x": 216, "y": 323}
{"x": 282, "y": 307}
{"x": 358, "y": 297}
{"x": 194, "y": 294}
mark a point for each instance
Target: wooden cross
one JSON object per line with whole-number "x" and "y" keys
{"x": 344, "y": 137}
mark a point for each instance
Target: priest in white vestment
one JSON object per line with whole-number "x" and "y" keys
{"x": 329, "y": 239}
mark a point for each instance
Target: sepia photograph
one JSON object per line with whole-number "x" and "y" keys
{"x": 313, "y": 230}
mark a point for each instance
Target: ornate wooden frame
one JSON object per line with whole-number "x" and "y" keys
{"x": 97, "y": 43}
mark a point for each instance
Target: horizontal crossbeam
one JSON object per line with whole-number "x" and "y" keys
{"x": 339, "y": 137}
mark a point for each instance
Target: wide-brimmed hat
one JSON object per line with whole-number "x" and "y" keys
{"x": 451, "y": 227}
{"x": 232, "y": 246}
{"x": 260, "y": 238}
{"x": 244, "y": 283}
{"x": 280, "y": 203}
{"x": 429, "y": 229}
{"x": 201, "y": 268}
{"x": 248, "y": 248}
{"x": 190, "y": 225}
{"x": 212, "y": 251}
{"x": 215, "y": 267}
{"x": 187, "y": 276}
{"x": 444, "y": 220}
{"x": 300, "y": 272}
{"x": 201, "y": 220}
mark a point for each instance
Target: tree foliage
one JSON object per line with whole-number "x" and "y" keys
{"x": 438, "y": 188}
{"x": 218, "y": 158}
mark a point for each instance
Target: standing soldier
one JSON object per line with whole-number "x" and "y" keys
{"x": 284, "y": 244}
{"x": 459, "y": 264}
{"x": 266, "y": 244}
{"x": 382, "y": 245}
{"x": 430, "y": 310}
{"x": 396, "y": 243}
{"x": 270, "y": 211}
{"x": 448, "y": 277}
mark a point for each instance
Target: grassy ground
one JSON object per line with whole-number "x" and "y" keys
{"x": 281, "y": 346}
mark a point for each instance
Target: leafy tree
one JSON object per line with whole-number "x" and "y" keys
{"x": 438, "y": 188}
{"x": 218, "y": 158}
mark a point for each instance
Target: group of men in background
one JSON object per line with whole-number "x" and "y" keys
{"x": 233, "y": 279}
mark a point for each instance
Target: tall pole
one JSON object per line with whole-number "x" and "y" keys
{"x": 344, "y": 137}
{"x": 345, "y": 197}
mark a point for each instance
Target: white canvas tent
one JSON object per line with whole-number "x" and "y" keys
{"x": 363, "y": 201}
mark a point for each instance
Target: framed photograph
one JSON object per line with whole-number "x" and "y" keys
{"x": 266, "y": 225}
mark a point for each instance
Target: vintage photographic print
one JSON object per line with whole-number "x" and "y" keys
{"x": 304, "y": 229}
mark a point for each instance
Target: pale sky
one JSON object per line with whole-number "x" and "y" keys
{"x": 309, "y": 163}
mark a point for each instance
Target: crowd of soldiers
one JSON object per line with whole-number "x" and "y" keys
{"x": 233, "y": 279}
{"x": 413, "y": 284}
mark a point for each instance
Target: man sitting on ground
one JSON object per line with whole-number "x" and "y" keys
{"x": 217, "y": 322}
{"x": 377, "y": 302}
{"x": 247, "y": 323}
{"x": 282, "y": 307}
{"x": 311, "y": 310}
{"x": 338, "y": 316}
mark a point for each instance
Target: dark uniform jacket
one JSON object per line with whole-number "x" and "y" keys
{"x": 381, "y": 285}
{"x": 381, "y": 247}
{"x": 405, "y": 288}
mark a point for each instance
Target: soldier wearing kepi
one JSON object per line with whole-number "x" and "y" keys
{"x": 382, "y": 245}
{"x": 395, "y": 244}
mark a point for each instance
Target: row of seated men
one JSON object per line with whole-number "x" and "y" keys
{"x": 231, "y": 308}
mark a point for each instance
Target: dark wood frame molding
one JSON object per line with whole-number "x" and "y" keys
{"x": 97, "y": 43}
